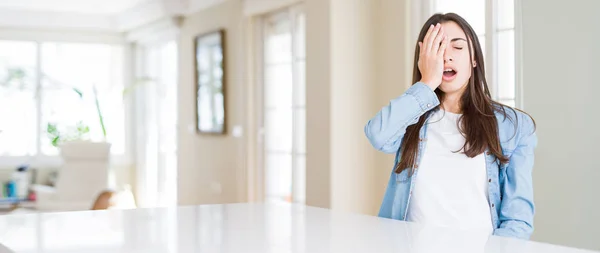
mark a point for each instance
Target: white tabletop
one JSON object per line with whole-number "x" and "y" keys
{"x": 241, "y": 228}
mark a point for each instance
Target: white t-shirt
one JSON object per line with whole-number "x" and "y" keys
{"x": 451, "y": 189}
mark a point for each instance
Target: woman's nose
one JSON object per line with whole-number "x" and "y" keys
{"x": 447, "y": 58}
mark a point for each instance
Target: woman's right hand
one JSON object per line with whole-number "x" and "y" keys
{"x": 431, "y": 56}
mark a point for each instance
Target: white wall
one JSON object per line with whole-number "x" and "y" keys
{"x": 560, "y": 81}
{"x": 393, "y": 70}
{"x": 209, "y": 162}
{"x": 355, "y": 65}
{"x": 318, "y": 94}
{"x": 258, "y": 7}
{"x": 353, "y": 91}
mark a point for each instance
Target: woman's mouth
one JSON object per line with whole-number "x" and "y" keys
{"x": 449, "y": 74}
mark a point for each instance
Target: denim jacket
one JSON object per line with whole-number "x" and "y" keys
{"x": 510, "y": 189}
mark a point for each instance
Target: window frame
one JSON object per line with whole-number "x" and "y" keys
{"x": 257, "y": 187}
{"x": 42, "y": 161}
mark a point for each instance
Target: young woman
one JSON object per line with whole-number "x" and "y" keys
{"x": 462, "y": 159}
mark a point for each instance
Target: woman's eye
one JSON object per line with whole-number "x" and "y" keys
{"x": 459, "y": 48}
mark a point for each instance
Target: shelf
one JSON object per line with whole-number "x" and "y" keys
{"x": 10, "y": 202}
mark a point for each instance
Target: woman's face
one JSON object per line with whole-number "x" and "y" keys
{"x": 458, "y": 64}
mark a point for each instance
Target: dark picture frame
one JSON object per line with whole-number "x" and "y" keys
{"x": 210, "y": 82}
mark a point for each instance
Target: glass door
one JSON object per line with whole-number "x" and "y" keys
{"x": 284, "y": 111}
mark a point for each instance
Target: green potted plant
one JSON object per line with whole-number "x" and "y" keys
{"x": 85, "y": 167}
{"x": 74, "y": 141}
{"x": 79, "y": 132}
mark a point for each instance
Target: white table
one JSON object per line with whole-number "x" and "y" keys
{"x": 241, "y": 228}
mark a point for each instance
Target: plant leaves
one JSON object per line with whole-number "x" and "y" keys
{"x": 78, "y": 92}
{"x": 82, "y": 129}
{"x": 55, "y": 141}
{"x": 52, "y": 129}
{"x": 142, "y": 81}
{"x": 100, "y": 117}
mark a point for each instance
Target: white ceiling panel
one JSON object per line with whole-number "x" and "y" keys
{"x": 77, "y": 6}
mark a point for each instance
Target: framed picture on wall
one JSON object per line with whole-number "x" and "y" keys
{"x": 210, "y": 82}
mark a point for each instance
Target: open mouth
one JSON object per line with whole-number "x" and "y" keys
{"x": 449, "y": 74}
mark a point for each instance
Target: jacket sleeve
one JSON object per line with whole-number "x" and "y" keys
{"x": 386, "y": 129}
{"x": 517, "y": 207}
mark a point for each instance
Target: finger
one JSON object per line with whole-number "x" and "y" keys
{"x": 420, "y": 47}
{"x": 443, "y": 47}
{"x": 437, "y": 41}
{"x": 426, "y": 38}
{"x": 429, "y": 42}
{"x": 431, "y": 27}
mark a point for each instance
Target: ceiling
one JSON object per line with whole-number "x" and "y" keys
{"x": 75, "y": 6}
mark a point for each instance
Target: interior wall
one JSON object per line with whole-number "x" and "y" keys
{"x": 318, "y": 106}
{"x": 257, "y": 7}
{"x": 355, "y": 65}
{"x": 353, "y": 91}
{"x": 560, "y": 86}
{"x": 211, "y": 168}
{"x": 393, "y": 73}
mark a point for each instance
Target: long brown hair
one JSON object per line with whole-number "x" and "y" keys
{"x": 478, "y": 122}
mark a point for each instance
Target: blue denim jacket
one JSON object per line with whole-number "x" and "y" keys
{"x": 510, "y": 185}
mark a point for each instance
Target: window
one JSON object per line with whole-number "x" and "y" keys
{"x": 39, "y": 84}
{"x": 493, "y": 21}
{"x": 505, "y": 44}
{"x": 284, "y": 110}
{"x": 18, "y": 103}
{"x": 156, "y": 117}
